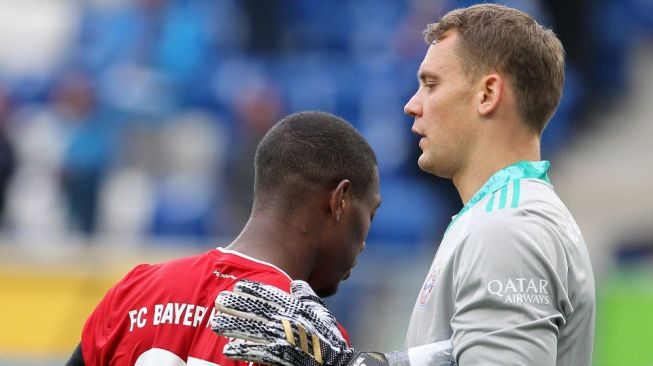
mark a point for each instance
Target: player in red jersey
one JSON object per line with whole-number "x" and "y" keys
{"x": 315, "y": 193}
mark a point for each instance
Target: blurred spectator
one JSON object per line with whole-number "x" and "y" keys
{"x": 258, "y": 107}
{"x": 266, "y": 25}
{"x": 596, "y": 36}
{"x": 7, "y": 154}
{"x": 88, "y": 148}
{"x": 35, "y": 203}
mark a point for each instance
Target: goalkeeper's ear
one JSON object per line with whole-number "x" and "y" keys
{"x": 338, "y": 199}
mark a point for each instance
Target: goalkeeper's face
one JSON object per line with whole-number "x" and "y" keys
{"x": 338, "y": 255}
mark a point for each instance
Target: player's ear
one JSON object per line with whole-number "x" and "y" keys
{"x": 338, "y": 199}
{"x": 491, "y": 89}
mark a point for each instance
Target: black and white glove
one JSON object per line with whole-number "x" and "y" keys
{"x": 270, "y": 326}
{"x": 273, "y": 327}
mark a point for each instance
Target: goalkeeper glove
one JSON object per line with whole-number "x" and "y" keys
{"x": 273, "y": 327}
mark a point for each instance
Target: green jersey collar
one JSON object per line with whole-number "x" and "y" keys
{"x": 520, "y": 170}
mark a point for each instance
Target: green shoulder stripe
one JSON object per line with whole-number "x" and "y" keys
{"x": 516, "y": 189}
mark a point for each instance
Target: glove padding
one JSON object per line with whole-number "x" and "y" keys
{"x": 277, "y": 328}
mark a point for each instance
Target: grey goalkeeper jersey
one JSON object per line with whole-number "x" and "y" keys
{"x": 511, "y": 283}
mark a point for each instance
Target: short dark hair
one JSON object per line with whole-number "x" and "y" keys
{"x": 498, "y": 38}
{"x": 312, "y": 149}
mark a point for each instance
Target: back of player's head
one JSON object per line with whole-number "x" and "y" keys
{"x": 496, "y": 38}
{"x": 308, "y": 150}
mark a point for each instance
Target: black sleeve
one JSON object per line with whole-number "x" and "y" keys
{"x": 76, "y": 359}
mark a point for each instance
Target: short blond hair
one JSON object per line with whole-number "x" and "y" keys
{"x": 508, "y": 41}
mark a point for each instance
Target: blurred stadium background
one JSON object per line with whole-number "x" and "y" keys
{"x": 127, "y": 132}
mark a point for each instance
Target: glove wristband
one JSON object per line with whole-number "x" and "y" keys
{"x": 368, "y": 359}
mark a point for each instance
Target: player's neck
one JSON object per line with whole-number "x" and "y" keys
{"x": 490, "y": 160}
{"x": 281, "y": 243}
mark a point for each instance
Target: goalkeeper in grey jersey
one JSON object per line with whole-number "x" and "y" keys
{"x": 511, "y": 282}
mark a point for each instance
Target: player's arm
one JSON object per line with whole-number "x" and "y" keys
{"x": 272, "y": 327}
{"x": 509, "y": 294}
{"x": 76, "y": 359}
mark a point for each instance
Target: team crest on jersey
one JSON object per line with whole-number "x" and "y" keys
{"x": 429, "y": 284}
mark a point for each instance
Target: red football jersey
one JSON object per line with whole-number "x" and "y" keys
{"x": 159, "y": 314}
